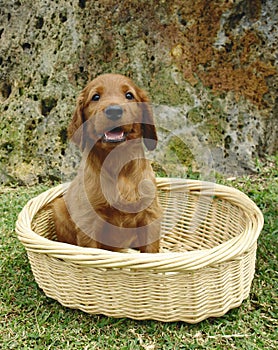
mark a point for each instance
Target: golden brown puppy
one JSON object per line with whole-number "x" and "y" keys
{"x": 112, "y": 202}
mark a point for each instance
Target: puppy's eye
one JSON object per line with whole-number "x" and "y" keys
{"x": 96, "y": 97}
{"x": 129, "y": 96}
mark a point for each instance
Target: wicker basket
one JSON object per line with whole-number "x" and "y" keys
{"x": 205, "y": 267}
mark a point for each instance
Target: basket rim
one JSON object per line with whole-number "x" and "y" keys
{"x": 164, "y": 261}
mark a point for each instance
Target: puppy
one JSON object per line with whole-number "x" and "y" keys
{"x": 112, "y": 202}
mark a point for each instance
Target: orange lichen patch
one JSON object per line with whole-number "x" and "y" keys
{"x": 243, "y": 81}
{"x": 203, "y": 22}
{"x": 234, "y": 66}
{"x": 244, "y": 47}
{"x": 236, "y": 71}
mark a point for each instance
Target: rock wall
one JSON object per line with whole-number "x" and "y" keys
{"x": 210, "y": 68}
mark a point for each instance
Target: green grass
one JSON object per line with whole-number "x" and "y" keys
{"x": 30, "y": 320}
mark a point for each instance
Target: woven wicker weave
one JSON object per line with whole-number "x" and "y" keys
{"x": 205, "y": 267}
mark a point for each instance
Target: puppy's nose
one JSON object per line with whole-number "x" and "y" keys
{"x": 113, "y": 112}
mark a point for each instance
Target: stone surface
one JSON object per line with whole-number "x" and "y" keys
{"x": 210, "y": 68}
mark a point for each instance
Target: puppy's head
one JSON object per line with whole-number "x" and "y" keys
{"x": 110, "y": 110}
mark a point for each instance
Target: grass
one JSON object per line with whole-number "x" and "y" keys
{"x": 30, "y": 320}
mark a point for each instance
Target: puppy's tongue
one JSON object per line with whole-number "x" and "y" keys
{"x": 115, "y": 135}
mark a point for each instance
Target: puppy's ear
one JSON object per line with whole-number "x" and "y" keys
{"x": 148, "y": 127}
{"x": 76, "y": 128}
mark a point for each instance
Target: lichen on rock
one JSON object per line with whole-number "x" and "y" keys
{"x": 211, "y": 65}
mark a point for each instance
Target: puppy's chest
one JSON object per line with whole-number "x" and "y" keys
{"x": 120, "y": 197}
{"x": 129, "y": 188}
{"x": 118, "y": 189}
{"x": 128, "y": 200}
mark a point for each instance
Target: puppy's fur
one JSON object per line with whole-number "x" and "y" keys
{"x": 112, "y": 202}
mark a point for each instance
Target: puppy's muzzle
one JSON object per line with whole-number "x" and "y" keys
{"x": 117, "y": 134}
{"x": 113, "y": 112}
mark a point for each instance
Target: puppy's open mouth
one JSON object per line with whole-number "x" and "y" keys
{"x": 114, "y": 135}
